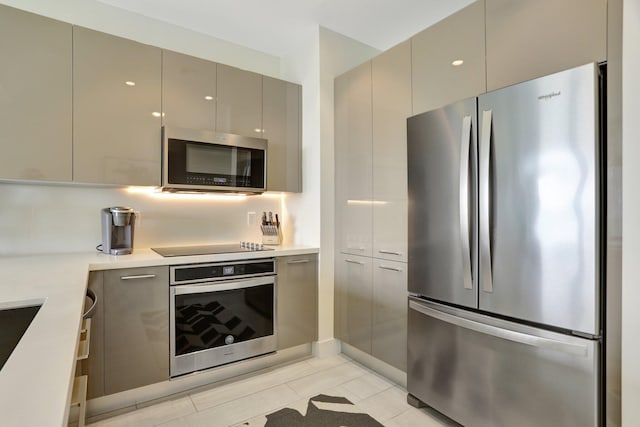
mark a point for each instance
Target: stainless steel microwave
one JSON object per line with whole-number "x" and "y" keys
{"x": 206, "y": 161}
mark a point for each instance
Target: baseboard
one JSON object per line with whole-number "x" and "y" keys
{"x": 171, "y": 389}
{"x": 391, "y": 372}
{"x": 325, "y": 348}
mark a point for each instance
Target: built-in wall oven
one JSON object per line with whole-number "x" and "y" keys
{"x": 221, "y": 313}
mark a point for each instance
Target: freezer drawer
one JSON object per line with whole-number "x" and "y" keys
{"x": 482, "y": 371}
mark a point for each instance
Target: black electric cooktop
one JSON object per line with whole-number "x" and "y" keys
{"x": 210, "y": 249}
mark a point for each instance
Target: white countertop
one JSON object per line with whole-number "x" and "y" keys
{"x": 35, "y": 383}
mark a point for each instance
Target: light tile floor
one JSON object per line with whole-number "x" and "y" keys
{"x": 251, "y": 398}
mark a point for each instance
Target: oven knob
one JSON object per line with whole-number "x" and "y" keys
{"x": 229, "y": 339}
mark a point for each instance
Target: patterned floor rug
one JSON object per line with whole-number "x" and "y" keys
{"x": 319, "y": 411}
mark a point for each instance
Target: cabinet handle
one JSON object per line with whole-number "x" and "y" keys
{"x": 384, "y": 251}
{"x": 384, "y": 267}
{"x": 299, "y": 261}
{"x": 351, "y": 261}
{"x": 356, "y": 248}
{"x": 140, "y": 276}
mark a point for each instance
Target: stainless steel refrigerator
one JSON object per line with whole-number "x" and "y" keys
{"x": 505, "y": 268}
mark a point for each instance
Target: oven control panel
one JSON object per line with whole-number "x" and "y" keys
{"x": 206, "y": 272}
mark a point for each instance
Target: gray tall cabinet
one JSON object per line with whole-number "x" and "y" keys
{"x": 372, "y": 103}
{"x": 500, "y": 42}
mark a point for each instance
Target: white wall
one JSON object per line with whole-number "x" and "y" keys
{"x": 46, "y": 218}
{"x": 316, "y": 63}
{"x": 99, "y": 16}
{"x": 631, "y": 214}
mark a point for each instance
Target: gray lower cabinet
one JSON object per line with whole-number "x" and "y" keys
{"x": 281, "y": 126}
{"x": 116, "y": 110}
{"x": 353, "y": 298}
{"x": 35, "y": 97}
{"x": 297, "y": 300}
{"x": 136, "y": 327}
{"x": 389, "y": 317}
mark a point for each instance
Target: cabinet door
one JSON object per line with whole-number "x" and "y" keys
{"x": 353, "y": 298}
{"x": 116, "y": 110}
{"x": 188, "y": 91}
{"x": 436, "y": 81}
{"x": 93, "y": 366}
{"x": 391, "y": 78}
{"x": 239, "y": 109}
{"x": 281, "y": 127}
{"x": 297, "y": 301}
{"x": 532, "y": 38}
{"x": 390, "y": 313}
{"x": 136, "y": 318}
{"x": 353, "y": 161}
{"x": 35, "y": 97}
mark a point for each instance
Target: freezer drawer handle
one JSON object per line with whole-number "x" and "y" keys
{"x": 465, "y": 143}
{"x": 485, "y": 200}
{"x": 519, "y": 337}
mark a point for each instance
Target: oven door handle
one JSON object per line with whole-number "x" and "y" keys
{"x": 223, "y": 285}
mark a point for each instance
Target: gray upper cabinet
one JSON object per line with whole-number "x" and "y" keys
{"x": 532, "y": 38}
{"x": 353, "y": 154}
{"x": 435, "y": 80}
{"x": 281, "y": 121}
{"x": 239, "y": 109}
{"x": 297, "y": 306}
{"x": 35, "y": 97}
{"x": 116, "y": 110}
{"x": 188, "y": 91}
{"x": 391, "y": 105}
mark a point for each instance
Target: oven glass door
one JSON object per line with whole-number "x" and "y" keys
{"x": 217, "y": 323}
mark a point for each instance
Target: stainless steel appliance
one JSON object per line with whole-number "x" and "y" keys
{"x": 194, "y": 160}
{"x": 506, "y": 223}
{"x": 221, "y": 313}
{"x": 118, "y": 225}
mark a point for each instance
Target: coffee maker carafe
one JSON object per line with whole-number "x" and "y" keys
{"x": 117, "y": 230}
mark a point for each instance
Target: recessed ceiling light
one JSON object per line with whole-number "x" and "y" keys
{"x": 457, "y": 62}
{"x": 257, "y": 130}
{"x": 130, "y": 83}
{"x": 209, "y": 98}
{"x": 156, "y": 114}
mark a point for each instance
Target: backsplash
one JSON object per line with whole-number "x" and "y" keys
{"x": 36, "y": 219}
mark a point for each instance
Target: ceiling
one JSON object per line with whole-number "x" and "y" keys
{"x": 278, "y": 27}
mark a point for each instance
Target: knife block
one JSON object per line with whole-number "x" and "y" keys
{"x": 271, "y": 234}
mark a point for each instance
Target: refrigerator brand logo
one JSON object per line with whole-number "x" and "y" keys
{"x": 548, "y": 96}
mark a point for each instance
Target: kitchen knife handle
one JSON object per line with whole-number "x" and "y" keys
{"x": 465, "y": 143}
{"x": 485, "y": 202}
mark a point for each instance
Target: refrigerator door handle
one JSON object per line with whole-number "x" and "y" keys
{"x": 518, "y": 337}
{"x": 485, "y": 200}
{"x": 465, "y": 143}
